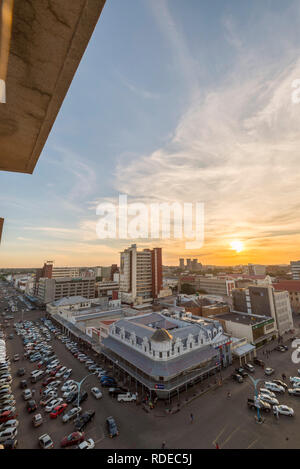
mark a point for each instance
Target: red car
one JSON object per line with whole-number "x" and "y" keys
{"x": 73, "y": 439}
{"x": 48, "y": 380}
{"x": 58, "y": 410}
{"x": 7, "y": 415}
{"x": 53, "y": 372}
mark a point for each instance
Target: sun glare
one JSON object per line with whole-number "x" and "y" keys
{"x": 237, "y": 245}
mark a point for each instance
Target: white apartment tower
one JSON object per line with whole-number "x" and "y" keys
{"x": 140, "y": 274}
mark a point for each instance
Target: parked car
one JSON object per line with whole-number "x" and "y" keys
{"x": 7, "y": 415}
{"x": 8, "y": 434}
{"x": 112, "y": 427}
{"x": 249, "y": 367}
{"x": 274, "y": 387}
{"x": 267, "y": 391}
{"x": 283, "y": 410}
{"x": 9, "y": 424}
{"x": 10, "y": 444}
{"x": 21, "y": 372}
{"x": 45, "y": 441}
{"x": 82, "y": 421}
{"x": 72, "y": 439}
{"x": 267, "y": 398}
{"x": 130, "y": 397}
{"x": 27, "y": 394}
{"x": 37, "y": 420}
{"x": 269, "y": 371}
{"x": 52, "y": 404}
{"x": 280, "y": 348}
{"x": 87, "y": 444}
{"x": 71, "y": 414}
{"x": 280, "y": 383}
{"x": 115, "y": 391}
{"x": 294, "y": 391}
{"x": 31, "y": 406}
{"x": 259, "y": 403}
{"x": 58, "y": 410}
{"x": 234, "y": 376}
{"x": 96, "y": 393}
{"x": 241, "y": 372}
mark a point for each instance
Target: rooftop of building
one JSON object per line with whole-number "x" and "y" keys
{"x": 69, "y": 300}
{"x": 243, "y": 318}
{"x": 146, "y": 325}
{"x": 287, "y": 285}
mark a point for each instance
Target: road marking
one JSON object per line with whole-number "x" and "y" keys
{"x": 221, "y": 432}
{"x": 99, "y": 441}
{"x": 230, "y": 436}
{"x": 252, "y": 444}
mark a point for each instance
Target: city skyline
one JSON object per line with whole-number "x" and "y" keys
{"x": 183, "y": 104}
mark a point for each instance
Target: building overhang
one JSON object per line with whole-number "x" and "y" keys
{"x": 42, "y": 43}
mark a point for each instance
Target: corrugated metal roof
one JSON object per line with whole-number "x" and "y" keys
{"x": 167, "y": 368}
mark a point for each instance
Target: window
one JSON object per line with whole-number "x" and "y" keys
{"x": 160, "y": 354}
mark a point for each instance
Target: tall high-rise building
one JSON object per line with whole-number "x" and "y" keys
{"x": 181, "y": 263}
{"x": 189, "y": 263}
{"x": 295, "y": 267}
{"x": 256, "y": 269}
{"x": 140, "y": 274}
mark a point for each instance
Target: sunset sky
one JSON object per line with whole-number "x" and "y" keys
{"x": 173, "y": 102}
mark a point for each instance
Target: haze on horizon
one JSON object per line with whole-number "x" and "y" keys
{"x": 173, "y": 102}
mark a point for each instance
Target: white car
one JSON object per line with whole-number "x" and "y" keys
{"x": 295, "y": 391}
{"x": 267, "y": 398}
{"x": 54, "y": 384}
{"x": 8, "y": 434}
{"x": 71, "y": 414}
{"x": 274, "y": 387}
{"x": 96, "y": 393}
{"x": 9, "y": 424}
{"x": 67, "y": 384}
{"x": 283, "y": 410}
{"x": 267, "y": 391}
{"x": 269, "y": 371}
{"x": 45, "y": 441}
{"x": 27, "y": 394}
{"x": 294, "y": 379}
{"x": 61, "y": 372}
{"x": 67, "y": 374}
{"x": 87, "y": 444}
{"x": 52, "y": 404}
{"x": 69, "y": 391}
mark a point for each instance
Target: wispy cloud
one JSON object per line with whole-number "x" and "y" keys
{"x": 236, "y": 149}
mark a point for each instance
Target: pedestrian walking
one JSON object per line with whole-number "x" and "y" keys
{"x": 228, "y": 395}
{"x": 217, "y": 445}
{"x": 192, "y": 418}
{"x": 163, "y": 445}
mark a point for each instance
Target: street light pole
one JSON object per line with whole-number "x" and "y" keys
{"x": 79, "y": 383}
{"x": 255, "y": 382}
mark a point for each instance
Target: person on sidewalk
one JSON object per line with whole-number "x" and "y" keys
{"x": 192, "y": 418}
{"x": 163, "y": 445}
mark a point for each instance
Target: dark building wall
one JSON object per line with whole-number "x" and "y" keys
{"x": 239, "y": 300}
{"x": 260, "y": 301}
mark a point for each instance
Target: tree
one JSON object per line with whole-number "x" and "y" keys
{"x": 187, "y": 289}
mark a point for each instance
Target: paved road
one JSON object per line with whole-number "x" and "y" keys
{"x": 216, "y": 419}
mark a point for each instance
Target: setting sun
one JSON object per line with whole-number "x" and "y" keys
{"x": 237, "y": 245}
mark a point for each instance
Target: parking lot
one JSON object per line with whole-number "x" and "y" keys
{"x": 216, "y": 419}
